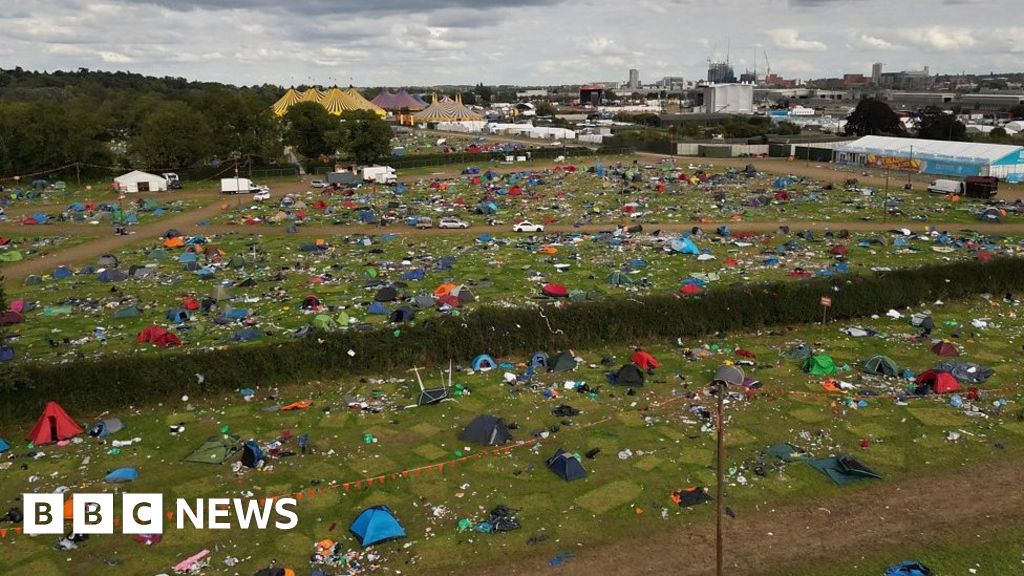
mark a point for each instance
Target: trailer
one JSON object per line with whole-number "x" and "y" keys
{"x": 343, "y": 178}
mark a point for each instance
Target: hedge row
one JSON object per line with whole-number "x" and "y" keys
{"x": 112, "y": 382}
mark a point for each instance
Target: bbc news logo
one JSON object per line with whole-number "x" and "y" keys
{"x": 144, "y": 513}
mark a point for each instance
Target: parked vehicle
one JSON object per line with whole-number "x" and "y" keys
{"x": 527, "y": 226}
{"x": 983, "y": 187}
{"x": 173, "y": 181}
{"x": 318, "y": 184}
{"x": 380, "y": 174}
{"x": 238, "y": 186}
{"x": 262, "y": 195}
{"x": 423, "y": 222}
{"x": 450, "y": 222}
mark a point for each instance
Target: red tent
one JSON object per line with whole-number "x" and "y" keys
{"x": 11, "y": 317}
{"x": 939, "y": 382}
{"x": 448, "y": 300}
{"x": 53, "y": 425}
{"x": 158, "y": 336}
{"x": 945, "y": 348}
{"x": 691, "y": 289}
{"x": 191, "y": 304}
{"x": 555, "y": 290}
{"x": 838, "y": 250}
{"x": 515, "y": 191}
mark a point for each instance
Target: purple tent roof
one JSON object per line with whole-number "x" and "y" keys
{"x": 397, "y": 100}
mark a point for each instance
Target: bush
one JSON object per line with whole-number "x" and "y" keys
{"x": 117, "y": 381}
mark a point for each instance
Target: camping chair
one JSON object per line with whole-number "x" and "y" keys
{"x": 433, "y": 395}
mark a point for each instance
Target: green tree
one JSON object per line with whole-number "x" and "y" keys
{"x": 786, "y": 128}
{"x": 1017, "y": 112}
{"x": 935, "y": 124}
{"x": 483, "y": 93}
{"x": 872, "y": 116}
{"x": 545, "y": 108}
{"x": 172, "y": 135}
{"x": 311, "y": 129}
{"x": 364, "y": 137}
{"x": 997, "y": 133}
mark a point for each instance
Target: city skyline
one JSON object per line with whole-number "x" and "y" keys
{"x": 528, "y": 42}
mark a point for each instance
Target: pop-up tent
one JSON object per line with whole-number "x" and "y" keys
{"x": 562, "y": 362}
{"x": 122, "y": 475}
{"x": 945, "y": 348}
{"x": 819, "y": 365}
{"x": 881, "y": 365}
{"x": 936, "y": 381}
{"x": 566, "y": 466}
{"x": 484, "y": 362}
{"x": 629, "y": 375}
{"x": 53, "y": 425}
{"x": 251, "y": 454}
{"x": 376, "y": 524}
{"x": 486, "y": 429}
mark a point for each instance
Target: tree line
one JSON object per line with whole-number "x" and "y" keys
{"x": 875, "y": 117}
{"x": 121, "y": 120}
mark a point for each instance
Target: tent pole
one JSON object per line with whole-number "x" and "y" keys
{"x": 719, "y": 488}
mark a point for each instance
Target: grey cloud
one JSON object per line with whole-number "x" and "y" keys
{"x": 340, "y": 7}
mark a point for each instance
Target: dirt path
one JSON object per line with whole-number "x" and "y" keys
{"x": 816, "y": 531}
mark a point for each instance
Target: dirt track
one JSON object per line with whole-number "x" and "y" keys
{"x": 817, "y": 531}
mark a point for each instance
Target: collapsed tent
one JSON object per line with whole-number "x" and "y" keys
{"x": 216, "y": 450}
{"x": 106, "y": 427}
{"x": 158, "y": 336}
{"x": 53, "y": 425}
{"x": 376, "y": 524}
{"x": 252, "y": 454}
{"x": 629, "y": 375}
{"x": 122, "y": 475}
{"x": 843, "y": 470}
{"x": 566, "y": 466}
{"x": 487, "y": 430}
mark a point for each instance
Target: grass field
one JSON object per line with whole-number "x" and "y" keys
{"x": 671, "y": 445}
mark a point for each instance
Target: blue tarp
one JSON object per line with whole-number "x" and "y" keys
{"x": 376, "y": 524}
{"x": 685, "y": 246}
{"x": 377, "y": 308}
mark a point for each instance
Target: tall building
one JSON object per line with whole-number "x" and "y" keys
{"x": 634, "y": 79}
{"x": 728, "y": 98}
{"x": 876, "y": 73}
{"x": 721, "y": 73}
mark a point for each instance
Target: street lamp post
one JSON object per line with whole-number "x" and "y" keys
{"x": 726, "y": 375}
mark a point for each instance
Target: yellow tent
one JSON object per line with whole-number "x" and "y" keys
{"x": 361, "y": 103}
{"x": 446, "y": 110}
{"x": 290, "y": 97}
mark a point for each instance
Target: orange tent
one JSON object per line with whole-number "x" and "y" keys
{"x": 548, "y": 250}
{"x": 444, "y": 289}
{"x": 176, "y": 242}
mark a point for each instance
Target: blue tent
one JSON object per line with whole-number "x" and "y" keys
{"x": 234, "y": 313}
{"x": 246, "y": 335}
{"x": 77, "y": 207}
{"x": 908, "y": 569}
{"x": 367, "y": 217}
{"x": 416, "y": 274}
{"x": 484, "y": 361}
{"x": 176, "y": 315}
{"x": 187, "y": 257}
{"x": 685, "y": 246}
{"x": 783, "y": 182}
{"x": 4, "y": 446}
{"x": 376, "y": 524}
{"x": 377, "y": 308}
{"x": 122, "y": 475}
{"x": 6, "y": 353}
{"x": 39, "y": 217}
{"x": 61, "y": 273}
{"x": 111, "y": 275}
{"x": 401, "y": 189}
{"x": 485, "y": 238}
{"x": 486, "y": 207}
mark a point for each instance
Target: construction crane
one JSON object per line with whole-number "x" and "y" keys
{"x": 767, "y": 65}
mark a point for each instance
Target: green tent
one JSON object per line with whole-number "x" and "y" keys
{"x": 881, "y": 365}
{"x": 799, "y": 352}
{"x": 57, "y": 310}
{"x": 324, "y": 322}
{"x": 237, "y": 261}
{"x": 618, "y": 278}
{"x": 216, "y": 450}
{"x": 819, "y": 365}
{"x": 128, "y": 312}
{"x": 33, "y": 280}
{"x": 158, "y": 254}
{"x": 10, "y": 256}
{"x": 149, "y": 204}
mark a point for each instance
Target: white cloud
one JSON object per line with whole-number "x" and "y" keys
{"x": 939, "y": 38}
{"x": 115, "y": 57}
{"x": 873, "y": 42}
{"x": 789, "y": 39}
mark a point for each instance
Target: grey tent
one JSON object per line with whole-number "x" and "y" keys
{"x": 106, "y": 427}
{"x": 403, "y": 314}
{"x": 562, "y": 362}
{"x": 486, "y": 429}
{"x": 799, "y": 352}
{"x": 618, "y": 278}
{"x": 220, "y": 292}
{"x": 629, "y": 375}
{"x": 33, "y": 280}
{"x": 881, "y": 365}
{"x": 424, "y": 301}
{"x": 216, "y": 450}
{"x": 566, "y": 466}
{"x": 386, "y": 294}
{"x": 966, "y": 371}
{"x": 111, "y": 275}
{"x": 108, "y": 261}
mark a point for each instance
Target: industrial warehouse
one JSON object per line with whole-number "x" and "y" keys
{"x": 938, "y": 157}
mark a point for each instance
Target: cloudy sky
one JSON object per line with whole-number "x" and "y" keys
{"x": 425, "y": 42}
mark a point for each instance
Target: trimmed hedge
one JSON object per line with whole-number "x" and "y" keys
{"x": 108, "y": 383}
